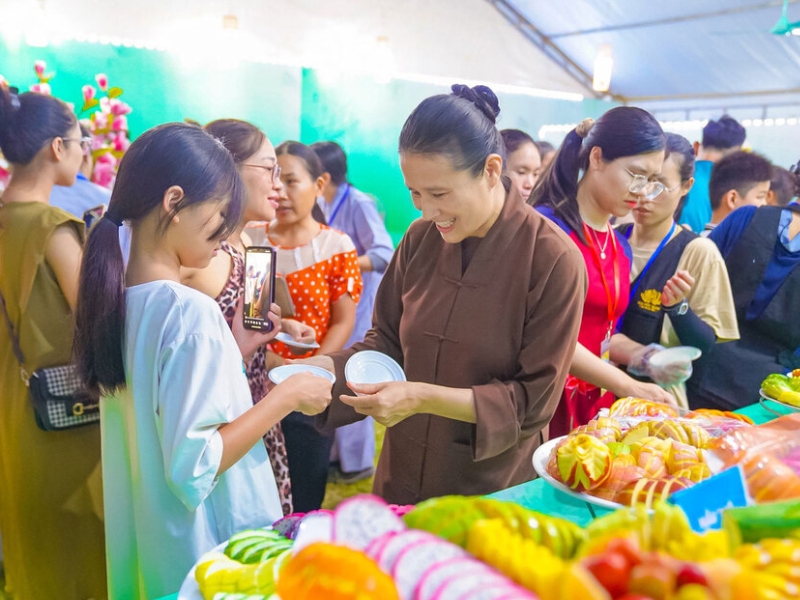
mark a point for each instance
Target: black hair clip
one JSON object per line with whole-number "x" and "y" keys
{"x": 14, "y": 93}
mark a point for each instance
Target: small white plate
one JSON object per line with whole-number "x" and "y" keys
{"x": 285, "y": 338}
{"x": 369, "y": 366}
{"x": 282, "y": 373}
{"x": 678, "y": 354}
{"x": 540, "y": 459}
{"x": 764, "y": 397}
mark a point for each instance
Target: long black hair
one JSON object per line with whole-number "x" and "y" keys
{"x": 460, "y": 126}
{"x": 30, "y": 121}
{"x": 622, "y": 131}
{"x": 175, "y": 154}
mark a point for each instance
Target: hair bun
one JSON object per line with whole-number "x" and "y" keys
{"x": 482, "y": 97}
{"x": 584, "y": 127}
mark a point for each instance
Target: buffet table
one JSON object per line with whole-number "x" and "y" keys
{"x": 538, "y": 495}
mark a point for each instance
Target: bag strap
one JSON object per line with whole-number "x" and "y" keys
{"x": 14, "y": 341}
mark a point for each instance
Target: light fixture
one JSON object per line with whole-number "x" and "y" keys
{"x": 230, "y": 22}
{"x": 603, "y": 66}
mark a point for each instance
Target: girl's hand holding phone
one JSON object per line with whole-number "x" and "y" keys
{"x": 250, "y": 340}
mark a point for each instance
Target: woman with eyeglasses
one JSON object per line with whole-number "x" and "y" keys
{"x": 620, "y": 157}
{"x": 51, "y": 507}
{"x": 680, "y": 292}
{"x": 224, "y": 278}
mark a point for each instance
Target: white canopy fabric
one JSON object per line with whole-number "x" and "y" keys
{"x": 456, "y": 39}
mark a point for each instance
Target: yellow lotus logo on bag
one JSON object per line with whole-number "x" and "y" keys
{"x": 650, "y": 300}
{"x": 584, "y": 462}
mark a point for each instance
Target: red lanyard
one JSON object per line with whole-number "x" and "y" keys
{"x": 613, "y": 301}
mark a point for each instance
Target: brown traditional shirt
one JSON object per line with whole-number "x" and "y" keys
{"x": 506, "y": 328}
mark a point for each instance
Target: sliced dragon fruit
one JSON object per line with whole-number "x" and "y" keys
{"x": 375, "y": 547}
{"x": 437, "y": 574}
{"x": 288, "y": 524}
{"x": 414, "y": 560}
{"x": 389, "y": 553}
{"x": 359, "y": 520}
{"x": 499, "y": 591}
{"x": 458, "y": 586}
{"x": 313, "y": 528}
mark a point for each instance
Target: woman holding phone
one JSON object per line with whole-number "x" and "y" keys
{"x": 183, "y": 463}
{"x": 485, "y": 340}
{"x": 224, "y": 278}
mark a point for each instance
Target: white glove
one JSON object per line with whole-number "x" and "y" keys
{"x": 665, "y": 375}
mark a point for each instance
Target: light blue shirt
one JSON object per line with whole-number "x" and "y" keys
{"x": 697, "y": 210}
{"x": 353, "y": 212}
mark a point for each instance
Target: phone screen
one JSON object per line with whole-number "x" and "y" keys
{"x": 259, "y": 287}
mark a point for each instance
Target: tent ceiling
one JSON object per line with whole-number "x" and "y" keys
{"x": 666, "y": 52}
{"x": 453, "y": 39}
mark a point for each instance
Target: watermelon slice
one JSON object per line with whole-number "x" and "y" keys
{"x": 359, "y": 520}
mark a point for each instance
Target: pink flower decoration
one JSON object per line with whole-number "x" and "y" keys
{"x": 41, "y": 88}
{"x": 100, "y": 120}
{"x": 121, "y": 142}
{"x": 120, "y": 123}
{"x": 104, "y": 170}
{"x": 102, "y": 81}
{"x": 88, "y": 92}
{"x": 118, "y": 107}
{"x": 39, "y": 66}
{"x": 105, "y": 104}
{"x": 97, "y": 142}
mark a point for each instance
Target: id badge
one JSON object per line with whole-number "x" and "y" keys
{"x": 605, "y": 355}
{"x": 605, "y": 348}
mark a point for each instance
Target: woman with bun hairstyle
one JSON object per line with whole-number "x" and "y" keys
{"x": 480, "y": 305}
{"x": 51, "y": 503}
{"x": 523, "y": 163}
{"x": 602, "y": 170}
{"x": 184, "y": 464}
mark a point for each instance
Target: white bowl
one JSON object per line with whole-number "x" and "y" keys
{"x": 678, "y": 354}
{"x": 282, "y": 373}
{"x": 369, "y": 366}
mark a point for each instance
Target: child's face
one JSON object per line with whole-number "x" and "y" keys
{"x": 191, "y": 229}
{"x": 300, "y": 190}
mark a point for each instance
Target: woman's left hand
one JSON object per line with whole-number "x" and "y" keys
{"x": 250, "y": 340}
{"x": 299, "y": 331}
{"x": 676, "y": 289}
{"x": 387, "y": 403}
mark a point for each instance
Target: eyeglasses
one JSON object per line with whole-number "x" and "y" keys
{"x": 642, "y": 185}
{"x": 274, "y": 169}
{"x": 85, "y": 142}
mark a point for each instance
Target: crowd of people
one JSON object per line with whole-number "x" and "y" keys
{"x": 538, "y": 285}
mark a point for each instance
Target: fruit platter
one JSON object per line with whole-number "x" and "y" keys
{"x": 471, "y": 548}
{"x": 640, "y": 453}
{"x": 782, "y": 389}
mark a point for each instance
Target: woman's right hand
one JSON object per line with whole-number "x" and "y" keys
{"x": 649, "y": 391}
{"x": 309, "y": 394}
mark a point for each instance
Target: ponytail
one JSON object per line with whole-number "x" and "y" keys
{"x": 100, "y": 316}
{"x": 622, "y": 131}
{"x": 170, "y": 155}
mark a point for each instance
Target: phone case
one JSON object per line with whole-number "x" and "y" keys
{"x": 259, "y": 287}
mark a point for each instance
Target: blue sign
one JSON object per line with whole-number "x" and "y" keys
{"x": 705, "y": 502}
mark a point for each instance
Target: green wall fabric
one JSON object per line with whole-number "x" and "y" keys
{"x": 287, "y": 102}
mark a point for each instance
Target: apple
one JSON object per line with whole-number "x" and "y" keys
{"x": 653, "y": 579}
{"x": 691, "y": 573}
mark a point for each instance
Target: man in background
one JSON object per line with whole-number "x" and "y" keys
{"x": 739, "y": 179}
{"x": 720, "y": 138}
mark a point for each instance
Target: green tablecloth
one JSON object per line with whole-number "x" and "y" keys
{"x": 539, "y": 495}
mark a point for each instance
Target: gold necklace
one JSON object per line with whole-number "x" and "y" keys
{"x": 597, "y": 241}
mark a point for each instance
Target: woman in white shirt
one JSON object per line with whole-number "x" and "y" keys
{"x": 183, "y": 465}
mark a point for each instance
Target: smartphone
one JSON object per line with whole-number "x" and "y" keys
{"x": 91, "y": 216}
{"x": 283, "y": 298}
{"x": 259, "y": 286}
